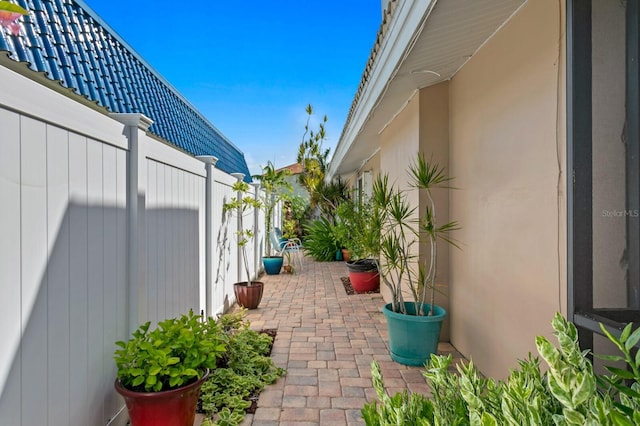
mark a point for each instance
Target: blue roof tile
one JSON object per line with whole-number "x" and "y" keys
{"x": 70, "y": 44}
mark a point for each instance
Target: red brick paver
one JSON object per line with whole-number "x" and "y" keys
{"x": 326, "y": 340}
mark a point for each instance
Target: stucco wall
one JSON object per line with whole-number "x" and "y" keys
{"x": 507, "y": 140}
{"x": 434, "y": 145}
{"x": 399, "y": 143}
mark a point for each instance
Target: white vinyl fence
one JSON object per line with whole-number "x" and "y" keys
{"x": 101, "y": 229}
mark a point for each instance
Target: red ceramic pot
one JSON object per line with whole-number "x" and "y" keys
{"x": 364, "y": 275}
{"x": 175, "y": 407}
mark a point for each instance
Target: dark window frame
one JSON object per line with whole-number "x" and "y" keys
{"x": 580, "y": 177}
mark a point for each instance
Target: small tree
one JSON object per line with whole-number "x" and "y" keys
{"x": 401, "y": 231}
{"x": 275, "y": 185}
{"x": 312, "y": 155}
{"x": 241, "y": 204}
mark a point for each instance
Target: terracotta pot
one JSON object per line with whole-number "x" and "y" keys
{"x": 248, "y": 296}
{"x": 174, "y": 407}
{"x": 287, "y": 268}
{"x": 346, "y": 255}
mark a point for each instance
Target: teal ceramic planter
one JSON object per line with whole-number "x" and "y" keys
{"x": 412, "y": 338}
{"x": 272, "y": 264}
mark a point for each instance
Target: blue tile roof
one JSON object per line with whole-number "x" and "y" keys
{"x": 68, "y": 42}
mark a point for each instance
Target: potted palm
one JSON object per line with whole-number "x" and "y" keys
{"x": 275, "y": 185}
{"x": 401, "y": 269}
{"x": 248, "y": 293}
{"x": 160, "y": 371}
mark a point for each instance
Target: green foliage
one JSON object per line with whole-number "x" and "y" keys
{"x": 328, "y": 196}
{"x": 10, "y": 7}
{"x": 401, "y": 231}
{"x": 174, "y": 354}
{"x": 241, "y": 204}
{"x": 321, "y": 242}
{"x": 401, "y": 409}
{"x": 568, "y": 393}
{"x": 276, "y": 187}
{"x": 312, "y": 155}
{"x": 357, "y": 227}
{"x": 244, "y": 370}
{"x": 296, "y": 212}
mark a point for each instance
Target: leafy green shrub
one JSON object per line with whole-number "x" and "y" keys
{"x": 321, "y": 242}
{"x": 243, "y": 371}
{"x": 171, "y": 355}
{"x": 569, "y": 393}
{"x": 358, "y": 227}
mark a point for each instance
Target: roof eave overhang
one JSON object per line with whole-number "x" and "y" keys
{"x": 426, "y": 43}
{"x": 406, "y": 18}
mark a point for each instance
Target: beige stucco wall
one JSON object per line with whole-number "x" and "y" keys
{"x": 434, "y": 145}
{"x": 371, "y": 165}
{"x": 507, "y": 140}
{"x": 399, "y": 143}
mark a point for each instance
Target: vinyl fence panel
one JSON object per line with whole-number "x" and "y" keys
{"x": 103, "y": 228}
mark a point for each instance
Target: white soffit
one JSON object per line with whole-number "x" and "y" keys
{"x": 446, "y": 36}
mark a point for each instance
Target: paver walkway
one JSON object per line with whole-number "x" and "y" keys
{"x": 326, "y": 340}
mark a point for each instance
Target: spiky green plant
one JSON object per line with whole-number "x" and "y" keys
{"x": 401, "y": 231}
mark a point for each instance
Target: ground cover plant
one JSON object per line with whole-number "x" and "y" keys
{"x": 567, "y": 393}
{"x": 242, "y": 373}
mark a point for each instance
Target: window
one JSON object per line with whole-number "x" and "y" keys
{"x": 603, "y": 157}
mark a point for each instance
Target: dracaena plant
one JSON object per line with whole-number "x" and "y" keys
{"x": 402, "y": 231}
{"x": 242, "y": 204}
{"x": 175, "y": 353}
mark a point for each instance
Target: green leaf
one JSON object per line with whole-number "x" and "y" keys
{"x": 633, "y": 339}
{"x": 190, "y": 372}
{"x": 138, "y": 381}
{"x": 612, "y": 358}
{"x": 5, "y": 5}
{"x": 620, "y": 372}
{"x": 626, "y": 332}
{"x": 620, "y": 420}
{"x": 151, "y": 380}
{"x": 573, "y": 417}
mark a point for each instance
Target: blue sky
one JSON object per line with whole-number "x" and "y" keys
{"x": 251, "y": 67}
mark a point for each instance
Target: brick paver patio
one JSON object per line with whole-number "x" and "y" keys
{"x": 326, "y": 340}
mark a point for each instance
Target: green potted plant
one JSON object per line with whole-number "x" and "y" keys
{"x": 400, "y": 267}
{"x": 358, "y": 226}
{"x": 275, "y": 187}
{"x": 248, "y": 293}
{"x": 160, "y": 371}
{"x": 288, "y": 268}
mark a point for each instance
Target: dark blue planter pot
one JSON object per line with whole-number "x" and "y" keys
{"x": 272, "y": 264}
{"x": 412, "y": 338}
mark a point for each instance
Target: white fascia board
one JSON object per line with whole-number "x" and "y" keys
{"x": 405, "y": 22}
